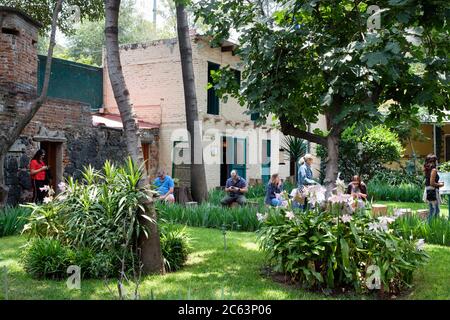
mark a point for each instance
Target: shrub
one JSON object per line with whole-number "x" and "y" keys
{"x": 47, "y": 258}
{"x": 321, "y": 250}
{"x": 97, "y": 219}
{"x": 175, "y": 247}
{"x": 364, "y": 153}
{"x": 435, "y": 232}
{"x": 398, "y": 177}
{"x": 101, "y": 213}
{"x": 210, "y": 216}
{"x": 405, "y": 192}
{"x": 12, "y": 220}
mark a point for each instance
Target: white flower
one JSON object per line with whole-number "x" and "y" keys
{"x": 45, "y": 188}
{"x": 386, "y": 220}
{"x": 374, "y": 226}
{"x": 48, "y": 199}
{"x": 420, "y": 244}
{"x": 341, "y": 198}
{"x": 62, "y": 186}
{"x": 340, "y": 185}
{"x": 315, "y": 194}
{"x": 260, "y": 217}
{"x": 290, "y": 215}
{"x": 346, "y": 218}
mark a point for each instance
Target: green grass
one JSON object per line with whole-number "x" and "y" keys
{"x": 412, "y": 205}
{"x": 210, "y": 273}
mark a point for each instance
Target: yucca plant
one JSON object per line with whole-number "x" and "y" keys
{"x": 296, "y": 149}
{"x": 12, "y": 220}
{"x": 175, "y": 246}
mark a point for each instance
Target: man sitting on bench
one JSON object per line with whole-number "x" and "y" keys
{"x": 235, "y": 187}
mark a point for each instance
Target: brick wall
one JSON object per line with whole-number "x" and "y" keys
{"x": 18, "y": 59}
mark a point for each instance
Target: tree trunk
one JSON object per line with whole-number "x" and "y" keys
{"x": 332, "y": 165}
{"x": 198, "y": 178}
{"x": 150, "y": 247}
{"x": 3, "y": 188}
{"x": 10, "y": 134}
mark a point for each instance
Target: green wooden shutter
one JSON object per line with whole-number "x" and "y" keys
{"x": 213, "y": 99}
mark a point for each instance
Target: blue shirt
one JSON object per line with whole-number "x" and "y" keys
{"x": 163, "y": 186}
{"x": 305, "y": 176}
{"x": 239, "y": 183}
{"x": 271, "y": 190}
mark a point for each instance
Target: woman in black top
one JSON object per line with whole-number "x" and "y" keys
{"x": 432, "y": 186}
{"x": 358, "y": 190}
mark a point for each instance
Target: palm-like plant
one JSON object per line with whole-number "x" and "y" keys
{"x": 296, "y": 149}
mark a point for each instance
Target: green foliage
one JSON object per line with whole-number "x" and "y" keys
{"x": 175, "y": 246}
{"x": 12, "y": 220}
{"x": 398, "y": 177}
{"x": 88, "y": 38}
{"x": 42, "y": 11}
{"x": 100, "y": 213}
{"x": 210, "y": 216}
{"x": 396, "y": 185}
{"x": 99, "y": 218}
{"x": 304, "y": 59}
{"x": 320, "y": 250}
{"x": 436, "y": 232}
{"x": 404, "y": 192}
{"x": 364, "y": 153}
{"x": 46, "y": 258}
{"x": 98, "y": 221}
{"x": 444, "y": 167}
{"x": 296, "y": 147}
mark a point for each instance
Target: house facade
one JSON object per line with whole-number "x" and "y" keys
{"x": 231, "y": 139}
{"x": 433, "y": 137}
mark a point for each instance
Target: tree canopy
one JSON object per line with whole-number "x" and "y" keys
{"x": 310, "y": 57}
{"x": 304, "y": 59}
{"x": 42, "y": 10}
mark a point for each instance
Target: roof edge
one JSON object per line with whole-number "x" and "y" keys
{"x": 22, "y": 14}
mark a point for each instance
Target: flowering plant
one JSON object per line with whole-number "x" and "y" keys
{"x": 334, "y": 248}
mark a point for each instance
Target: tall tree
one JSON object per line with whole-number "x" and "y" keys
{"x": 198, "y": 178}
{"x": 151, "y": 248}
{"x": 331, "y": 58}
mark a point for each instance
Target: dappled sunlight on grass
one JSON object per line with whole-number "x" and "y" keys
{"x": 210, "y": 273}
{"x": 250, "y": 246}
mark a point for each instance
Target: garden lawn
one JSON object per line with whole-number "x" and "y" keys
{"x": 412, "y": 205}
{"x": 211, "y": 273}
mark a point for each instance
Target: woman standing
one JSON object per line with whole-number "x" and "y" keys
{"x": 273, "y": 191}
{"x": 38, "y": 172}
{"x": 432, "y": 186}
{"x": 305, "y": 175}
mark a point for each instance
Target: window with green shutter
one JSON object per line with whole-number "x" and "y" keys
{"x": 213, "y": 99}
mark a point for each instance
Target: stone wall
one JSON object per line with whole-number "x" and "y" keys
{"x": 83, "y": 144}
